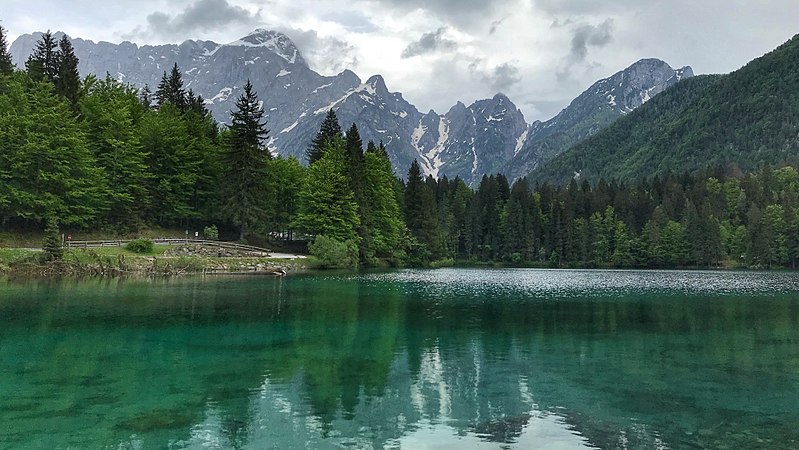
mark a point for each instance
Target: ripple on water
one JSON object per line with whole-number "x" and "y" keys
{"x": 559, "y": 284}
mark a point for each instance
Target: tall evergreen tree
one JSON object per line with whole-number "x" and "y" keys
{"x": 170, "y": 90}
{"x": 385, "y": 225}
{"x": 329, "y": 130}
{"x": 42, "y": 64}
{"x": 146, "y": 96}
{"x": 68, "y": 81}
{"x": 421, "y": 214}
{"x": 6, "y": 65}
{"x": 327, "y": 204}
{"x": 246, "y": 161}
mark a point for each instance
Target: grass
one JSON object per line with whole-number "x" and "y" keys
{"x": 33, "y": 239}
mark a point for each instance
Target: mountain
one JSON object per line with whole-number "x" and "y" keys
{"x": 487, "y": 136}
{"x": 596, "y": 108}
{"x": 741, "y": 121}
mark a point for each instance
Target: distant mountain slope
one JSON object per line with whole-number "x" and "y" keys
{"x": 747, "y": 118}
{"x": 596, "y": 108}
{"x": 487, "y": 136}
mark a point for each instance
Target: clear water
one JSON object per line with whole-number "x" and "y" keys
{"x": 409, "y": 359}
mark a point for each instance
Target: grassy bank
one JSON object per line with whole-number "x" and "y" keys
{"x": 121, "y": 262}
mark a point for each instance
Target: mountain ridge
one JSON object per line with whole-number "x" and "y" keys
{"x": 488, "y": 136}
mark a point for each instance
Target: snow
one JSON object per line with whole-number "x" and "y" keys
{"x": 290, "y": 127}
{"x": 249, "y": 63}
{"x": 432, "y": 163}
{"x": 223, "y": 95}
{"x": 283, "y": 73}
{"x": 315, "y": 91}
{"x": 520, "y": 142}
{"x": 611, "y": 100}
{"x": 474, "y": 153}
{"x": 275, "y": 42}
{"x": 401, "y": 114}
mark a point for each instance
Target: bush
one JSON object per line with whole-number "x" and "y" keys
{"x": 140, "y": 246}
{"x": 334, "y": 254}
{"x": 211, "y": 232}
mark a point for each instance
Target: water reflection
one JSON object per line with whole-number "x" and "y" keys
{"x": 417, "y": 359}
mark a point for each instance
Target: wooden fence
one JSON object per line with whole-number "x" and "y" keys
{"x": 169, "y": 242}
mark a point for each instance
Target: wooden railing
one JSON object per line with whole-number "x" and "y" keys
{"x": 169, "y": 242}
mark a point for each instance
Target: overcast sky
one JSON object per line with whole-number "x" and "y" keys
{"x": 541, "y": 53}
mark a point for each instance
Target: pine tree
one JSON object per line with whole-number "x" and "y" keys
{"x": 68, "y": 81}
{"x": 170, "y": 90}
{"x": 329, "y": 130}
{"x": 421, "y": 214}
{"x": 146, "y": 96}
{"x": 246, "y": 161}
{"x": 385, "y": 225}
{"x": 42, "y": 64}
{"x": 6, "y": 65}
{"x": 51, "y": 246}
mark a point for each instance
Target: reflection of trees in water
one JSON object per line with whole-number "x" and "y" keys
{"x": 354, "y": 362}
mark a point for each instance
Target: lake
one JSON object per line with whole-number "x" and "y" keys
{"x": 404, "y": 359}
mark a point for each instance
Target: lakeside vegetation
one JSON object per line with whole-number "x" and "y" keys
{"x": 96, "y": 155}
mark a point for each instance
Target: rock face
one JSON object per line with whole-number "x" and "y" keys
{"x": 596, "y": 108}
{"x": 488, "y": 136}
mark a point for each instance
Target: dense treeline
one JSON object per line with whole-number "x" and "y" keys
{"x": 98, "y": 154}
{"x": 671, "y": 221}
{"x": 747, "y": 118}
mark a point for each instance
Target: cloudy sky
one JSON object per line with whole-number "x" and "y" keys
{"x": 541, "y": 53}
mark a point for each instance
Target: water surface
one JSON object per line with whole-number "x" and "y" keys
{"x": 410, "y": 359}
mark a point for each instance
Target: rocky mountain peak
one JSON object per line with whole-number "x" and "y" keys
{"x": 275, "y": 41}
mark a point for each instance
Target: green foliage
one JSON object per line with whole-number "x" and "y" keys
{"x": 143, "y": 246}
{"x": 330, "y": 130}
{"x": 53, "y": 251}
{"x": 45, "y": 163}
{"x": 283, "y": 183}
{"x": 211, "y": 232}
{"x": 6, "y": 65}
{"x": 245, "y": 164}
{"x": 331, "y": 253}
{"x": 740, "y": 121}
{"x": 326, "y": 203}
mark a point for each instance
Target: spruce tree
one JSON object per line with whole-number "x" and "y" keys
{"x": 329, "y": 130}
{"x": 42, "y": 64}
{"x": 170, "y": 90}
{"x": 53, "y": 251}
{"x": 6, "y": 65}
{"x": 246, "y": 160}
{"x": 146, "y": 96}
{"x": 68, "y": 81}
{"x": 421, "y": 214}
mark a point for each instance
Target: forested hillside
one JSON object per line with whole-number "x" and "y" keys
{"x": 96, "y": 154}
{"x": 742, "y": 121}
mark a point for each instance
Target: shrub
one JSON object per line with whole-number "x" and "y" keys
{"x": 211, "y": 232}
{"x": 334, "y": 254}
{"x": 140, "y": 246}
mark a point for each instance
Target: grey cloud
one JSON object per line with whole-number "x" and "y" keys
{"x": 459, "y": 12}
{"x": 429, "y": 43}
{"x": 496, "y": 24}
{"x": 593, "y": 35}
{"x": 503, "y": 76}
{"x": 202, "y": 15}
{"x": 353, "y": 21}
{"x": 325, "y": 54}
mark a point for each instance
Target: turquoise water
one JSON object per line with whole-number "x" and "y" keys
{"x": 407, "y": 359}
